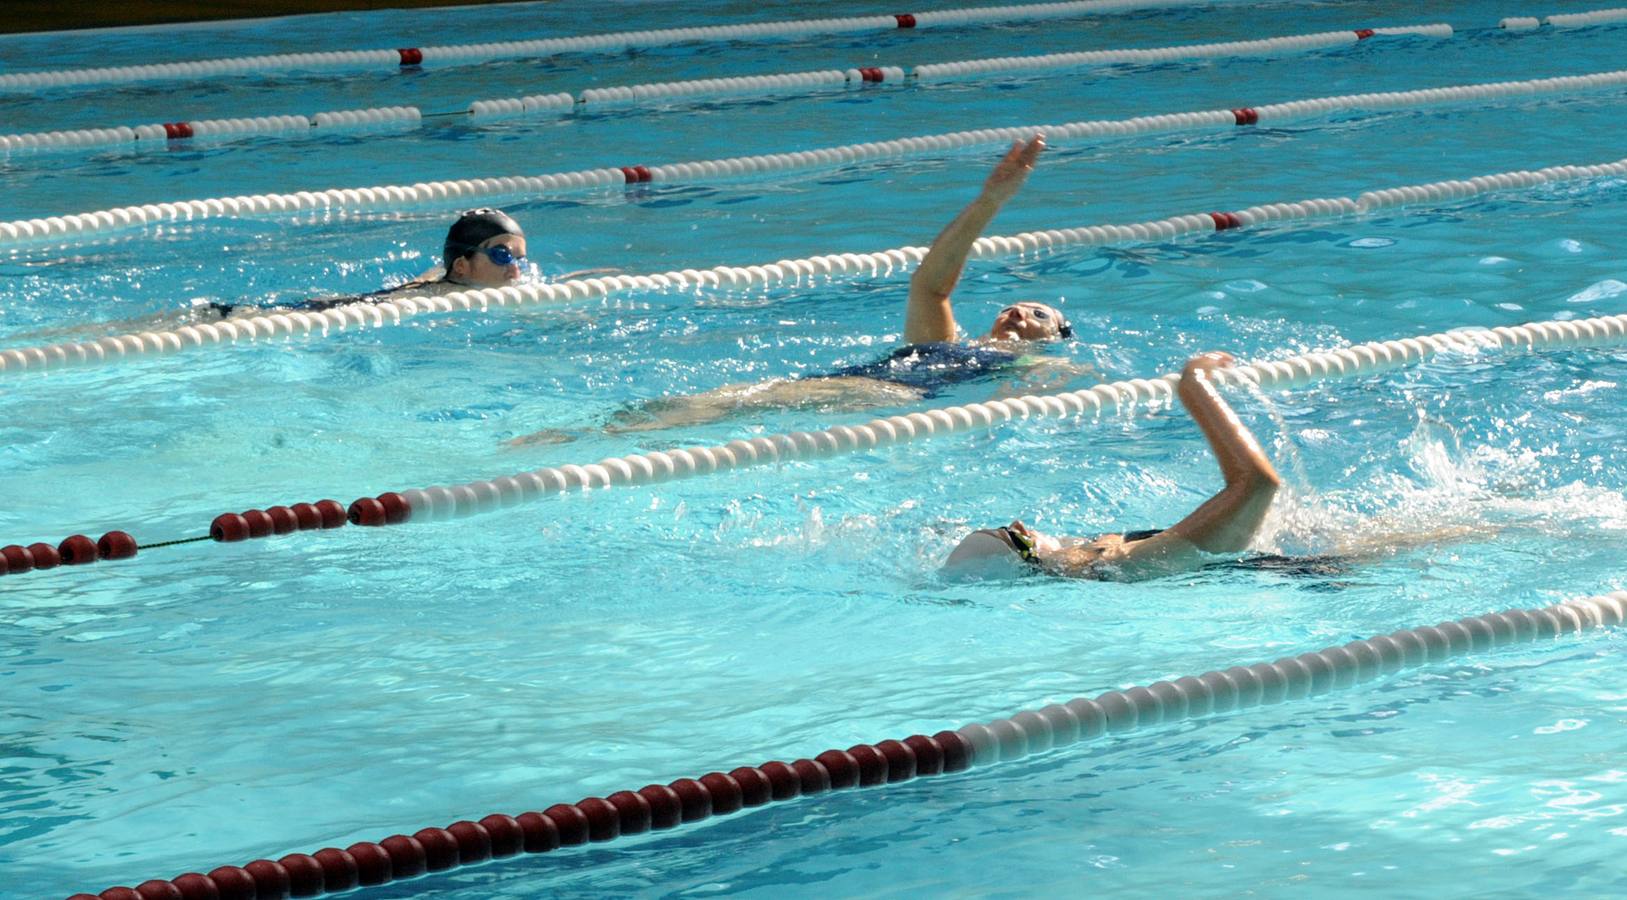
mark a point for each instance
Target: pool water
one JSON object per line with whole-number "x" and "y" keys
{"x": 209, "y": 704}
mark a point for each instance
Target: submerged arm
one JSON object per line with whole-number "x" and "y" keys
{"x": 928, "y": 316}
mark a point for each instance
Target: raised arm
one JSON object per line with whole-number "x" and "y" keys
{"x": 928, "y": 316}
{"x": 1226, "y": 522}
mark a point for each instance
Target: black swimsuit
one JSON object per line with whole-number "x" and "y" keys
{"x": 933, "y": 366}
{"x": 318, "y": 304}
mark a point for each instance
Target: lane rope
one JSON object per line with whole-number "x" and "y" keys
{"x": 76, "y": 229}
{"x": 1097, "y": 404}
{"x": 657, "y": 807}
{"x": 408, "y": 117}
{"x": 784, "y": 273}
{"x": 467, "y": 54}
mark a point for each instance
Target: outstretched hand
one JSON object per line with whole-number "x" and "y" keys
{"x": 1203, "y": 362}
{"x": 1012, "y": 170}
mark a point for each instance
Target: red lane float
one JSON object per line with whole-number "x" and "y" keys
{"x": 76, "y": 550}
{"x": 654, "y": 807}
{"x": 411, "y": 56}
{"x": 905, "y": 20}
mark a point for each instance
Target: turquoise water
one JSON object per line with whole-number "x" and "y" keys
{"x": 209, "y": 704}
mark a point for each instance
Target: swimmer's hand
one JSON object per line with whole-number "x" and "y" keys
{"x": 1204, "y": 362}
{"x": 1012, "y": 170}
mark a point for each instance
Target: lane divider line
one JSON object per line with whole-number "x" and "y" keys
{"x": 78, "y": 228}
{"x": 466, "y": 54}
{"x": 788, "y": 272}
{"x": 657, "y": 807}
{"x": 409, "y": 117}
{"x": 440, "y": 503}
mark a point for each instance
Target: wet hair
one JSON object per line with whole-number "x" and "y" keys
{"x": 474, "y": 228}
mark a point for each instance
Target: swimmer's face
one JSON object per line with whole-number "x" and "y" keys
{"x": 1028, "y": 321}
{"x": 995, "y": 552}
{"x": 478, "y": 268}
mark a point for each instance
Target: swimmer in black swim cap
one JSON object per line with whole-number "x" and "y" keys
{"x": 484, "y": 248}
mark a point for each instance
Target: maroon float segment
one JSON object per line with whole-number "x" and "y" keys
{"x": 755, "y": 787}
{"x": 339, "y": 869}
{"x": 572, "y": 824}
{"x": 957, "y": 751}
{"x": 119, "y": 893}
{"x": 373, "y": 865}
{"x": 158, "y": 890}
{"x": 176, "y": 130}
{"x": 604, "y": 822}
{"x": 77, "y": 550}
{"x": 194, "y": 886}
{"x": 283, "y": 519}
{"x": 305, "y": 875}
{"x": 270, "y": 878}
{"x": 666, "y": 809}
{"x": 1246, "y": 116}
{"x": 407, "y": 858}
{"x": 725, "y": 791}
{"x": 633, "y": 811}
{"x": 332, "y": 513}
{"x": 396, "y": 508}
{"x": 440, "y": 848}
{"x": 783, "y": 782}
{"x": 900, "y": 761}
{"x": 905, "y": 20}
{"x": 872, "y": 765}
{"x": 233, "y": 882}
{"x": 928, "y": 755}
{"x": 17, "y": 558}
{"x": 1363, "y": 34}
{"x": 45, "y": 556}
{"x": 411, "y": 56}
{"x": 229, "y": 528}
{"x": 695, "y": 799}
{"x": 306, "y": 516}
{"x": 259, "y": 522}
{"x": 840, "y": 767}
{"x": 116, "y": 545}
{"x": 813, "y": 777}
{"x": 503, "y": 834}
{"x": 539, "y": 831}
{"x": 473, "y": 841}
{"x": 367, "y": 511}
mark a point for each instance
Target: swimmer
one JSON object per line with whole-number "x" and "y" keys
{"x": 932, "y": 358}
{"x": 483, "y": 248}
{"x": 1223, "y": 524}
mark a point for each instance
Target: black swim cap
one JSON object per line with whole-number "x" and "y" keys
{"x": 474, "y": 228}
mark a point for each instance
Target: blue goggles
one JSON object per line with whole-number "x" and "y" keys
{"x": 499, "y": 255}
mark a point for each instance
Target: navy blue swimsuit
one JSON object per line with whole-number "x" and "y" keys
{"x": 933, "y": 366}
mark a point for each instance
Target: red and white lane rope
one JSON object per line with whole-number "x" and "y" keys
{"x": 663, "y": 92}
{"x": 344, "y": 120}
{"x": 440, "y": 503}
{"x": 656, "y": 807}
{"x": 1262, "y": 46}
{"x": 783, "y": 273}
{"x": 464, "y": 54}
{"x": 77, "y": 228}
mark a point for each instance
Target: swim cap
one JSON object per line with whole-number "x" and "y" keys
{"x": 474, "y": 228}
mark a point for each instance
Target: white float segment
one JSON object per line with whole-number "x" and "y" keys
{"x": 438, "y": 503}
{"x": 1288, "y": 678}
{"x": 70, "y": 230}
{"x": 1283, "y": 44}
{"x": 358, "y": 60}
{"x": 785, "y": 272}
{"x": 1584, "y": 19}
